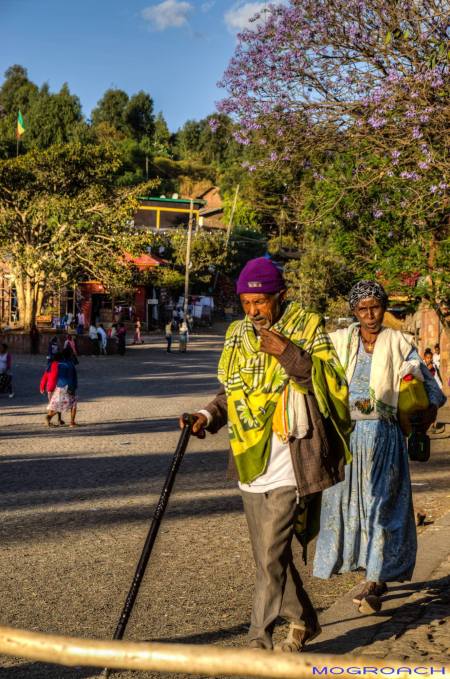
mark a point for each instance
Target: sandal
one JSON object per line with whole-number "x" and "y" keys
{"x": 370, "y": 588}
{"x": 370, "y": 604}
{"x": 297, "y": 637}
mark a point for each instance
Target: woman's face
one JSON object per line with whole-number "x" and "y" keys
{"x": 370, "y": 314}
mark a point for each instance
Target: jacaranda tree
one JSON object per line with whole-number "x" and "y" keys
{"x": 367, "y": 79}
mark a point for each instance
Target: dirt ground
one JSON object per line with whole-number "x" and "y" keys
{"x": 76, "y": 505}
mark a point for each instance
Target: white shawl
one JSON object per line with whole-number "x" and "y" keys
{"x": 390, "y": 352}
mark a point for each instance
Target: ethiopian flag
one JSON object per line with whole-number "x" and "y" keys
{"x": 20, "y": 126}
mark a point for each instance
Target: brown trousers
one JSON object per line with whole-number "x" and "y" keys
{"x": 279, "y": 589}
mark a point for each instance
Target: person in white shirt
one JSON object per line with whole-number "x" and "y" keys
{"x": 102, "y": 338}
{"x": 93, "y": 336}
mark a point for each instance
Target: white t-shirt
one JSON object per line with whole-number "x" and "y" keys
{"x": 279, "y": 472}
{"x": 102, "y": 333}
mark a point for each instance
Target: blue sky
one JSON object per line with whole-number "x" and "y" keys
{"x": 176, "y": 50}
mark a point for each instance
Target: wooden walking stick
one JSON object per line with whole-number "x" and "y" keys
{"x": 153, "y": 530}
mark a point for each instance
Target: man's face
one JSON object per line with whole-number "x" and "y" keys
{"x": 428, "y": 358}
{"x": 369, "y": 313}
{"x": 263, "y": 310}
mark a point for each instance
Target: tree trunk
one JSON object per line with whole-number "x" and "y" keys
{"x": 30, "y": 294}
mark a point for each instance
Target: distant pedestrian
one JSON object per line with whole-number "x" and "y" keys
{"x": 64, "y": 390}
{"x": 121, "y": 339}
{"x": 93, "y": 336}
{"x": 428, "y": 357}
{"x": 48, "y": 384}
{"x": 80, "y": 323}
{"x": 137, "y": 332}
{"x": 183, "y": 335}
{"x": 437, "y": 359}
{"x": 70, "y": 343}
{"x": 6, "y": 371}
{"x": 102, "y": 339}
{"x": 34, "y": 339}
{"x": 52, "y": 349}
{"x": 169, "y": 330}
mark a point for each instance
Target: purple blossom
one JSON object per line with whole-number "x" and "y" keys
{"x": 214, "y": 124}
{"x": 274, "y": 156}
{"x": 417, "y": 133}
{"x": 433, "y": 188}
{"x": 410, "y": 175}
{"x": 423, "y": 165}
{"x": 376, "y": 122}
{"x": 443, "y": 186}
{"x": 378, "y": 213}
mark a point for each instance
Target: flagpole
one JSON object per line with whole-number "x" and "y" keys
{"x": 17, "y": 147}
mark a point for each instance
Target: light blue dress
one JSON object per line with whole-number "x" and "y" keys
{"x": 367, "y": 521}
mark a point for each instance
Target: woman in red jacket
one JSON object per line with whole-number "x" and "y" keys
{"x": 48, "y": 384}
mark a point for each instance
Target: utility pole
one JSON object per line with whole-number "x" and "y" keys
{"x": 233, "y": 210}
{"x": 188, "y": 259}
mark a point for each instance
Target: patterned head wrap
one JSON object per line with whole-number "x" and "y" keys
{"x": 366, "y": 289}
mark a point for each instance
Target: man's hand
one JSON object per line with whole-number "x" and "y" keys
{"x": 272, "y": 342}
{"x": 198, "y": 428}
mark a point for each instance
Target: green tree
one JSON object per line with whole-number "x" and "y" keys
{"x": 162, "y": 137}
{"x": 52, "y": 118}
{"x": 111, "y": 109}
{"x": 16, "y": 93}
{"x": 138, "y": 116}
{"x": 61, "y": 216}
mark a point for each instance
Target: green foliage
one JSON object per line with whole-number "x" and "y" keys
{"x": 245, "y": 244}
{"x": 111, "y": 109}
{"x": 138, "y": 115}
{"x": 52, "y": 118}
{"x": 132, "y": 116}
{"x": 372, "y": 227}
{"x": 62, "y": 217}
{"x": 162, "y": 137}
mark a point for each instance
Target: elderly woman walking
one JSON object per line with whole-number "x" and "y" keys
{"x": 367, "y": 520}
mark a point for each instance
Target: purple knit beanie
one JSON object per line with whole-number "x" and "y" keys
{"x": 260, "y": 275}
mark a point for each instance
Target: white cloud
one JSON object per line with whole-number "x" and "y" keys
{"x": 238, "y": 17}
{"x": 167, "y": 14}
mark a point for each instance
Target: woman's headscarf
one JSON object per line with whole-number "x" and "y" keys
{"x": 364, "y": 290}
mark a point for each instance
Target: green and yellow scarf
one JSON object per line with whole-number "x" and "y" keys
{"x": 254, "y": 382}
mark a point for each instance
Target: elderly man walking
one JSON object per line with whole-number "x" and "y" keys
{"x": 284, "y": 396}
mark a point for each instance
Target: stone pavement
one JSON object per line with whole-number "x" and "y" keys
{"x": 75, "y": 507}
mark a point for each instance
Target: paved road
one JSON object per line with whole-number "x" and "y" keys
{"x": 75, "y": 507}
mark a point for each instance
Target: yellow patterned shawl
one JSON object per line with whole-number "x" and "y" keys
{"x": 254, "y": 382}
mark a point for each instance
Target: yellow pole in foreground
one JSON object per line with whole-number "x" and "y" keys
{"x": 211, "y": 661}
